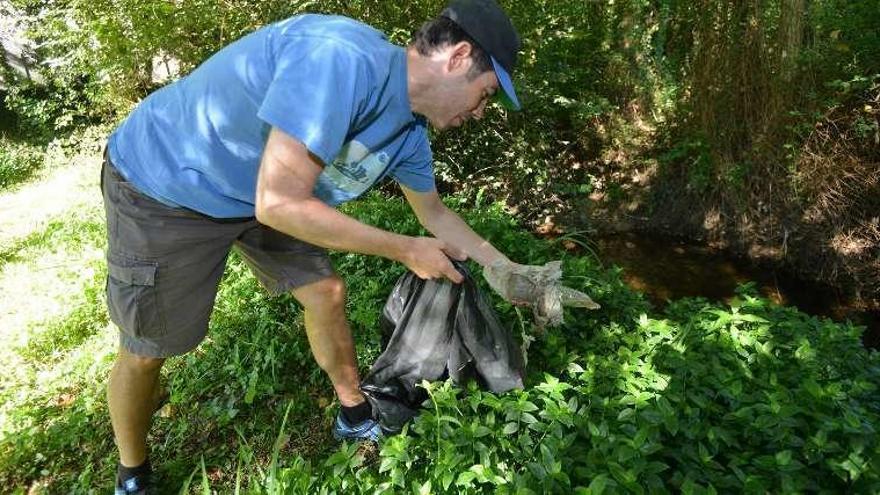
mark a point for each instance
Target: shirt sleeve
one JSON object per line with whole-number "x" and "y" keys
{"x": 416, "y": 172}
{"x": 316, "y": 93}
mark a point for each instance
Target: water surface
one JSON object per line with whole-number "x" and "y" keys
{"x": 666, "y": 269}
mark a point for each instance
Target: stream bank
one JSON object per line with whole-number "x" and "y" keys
{"x": 665, "y": 269}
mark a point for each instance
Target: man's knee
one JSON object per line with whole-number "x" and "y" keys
{"x": 138, "y": 364}
{"x": 326, "y": 294}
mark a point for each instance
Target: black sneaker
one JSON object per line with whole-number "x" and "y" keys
{"x": 136, "y": 485}
{"x": 368, "y": 429}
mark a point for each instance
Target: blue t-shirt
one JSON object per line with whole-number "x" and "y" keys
{"x": 336, "y": 85}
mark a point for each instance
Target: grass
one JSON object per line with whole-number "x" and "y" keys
{"x": 743, "y": 398}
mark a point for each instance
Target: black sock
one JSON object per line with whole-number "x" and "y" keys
{"x": 357, "y": 414}
{"x": 123, "y": 473}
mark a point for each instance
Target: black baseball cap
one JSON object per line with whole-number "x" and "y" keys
{"x": 490, "y": 27}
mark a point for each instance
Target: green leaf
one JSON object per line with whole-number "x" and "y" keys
{"x": 620, "y": 473}
{"x": 783, "y": 458}
{"x": 481, "y": 431}
{"x": 465, "y": 478}
{"x": 854, "y": 465}
{"x": 690, "y": 487}
{"x": 206, "y": 485}
{"x": 537, "y": 470}
{"x": 749, "y": 318}
{"x": 705, "y": 456}
{"x": 623, "y": 453}
{"x": 547, "y": 457}
{"x": 510, "y": 428}
{"x": 640, "y": 437}
{"x": 575, "y": 368}
{"x": 251, "y": 391}
{"x": 528, "y": 418}
{"x": 450, "y": 419}
{"x": 447, "y": 480}
{"x": 626, "y": 414}
{"x": 820, "y": 438}
{"x": 387, "y": 464}
{"x": 598, "y": 484}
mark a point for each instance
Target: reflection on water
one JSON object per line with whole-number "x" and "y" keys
{"x": 664, "y": 269}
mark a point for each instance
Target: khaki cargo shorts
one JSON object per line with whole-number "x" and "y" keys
{"x": 164, "y": 266}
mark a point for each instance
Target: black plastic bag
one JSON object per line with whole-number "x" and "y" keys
{"x": 437, "y": 330}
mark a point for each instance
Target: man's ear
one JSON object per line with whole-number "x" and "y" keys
{"x": 459, "y": 57}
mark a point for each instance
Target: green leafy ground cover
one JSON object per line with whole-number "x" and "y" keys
{"x": 702, "y": 398}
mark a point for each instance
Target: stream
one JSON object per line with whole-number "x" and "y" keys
{"x": 666, "y": 269}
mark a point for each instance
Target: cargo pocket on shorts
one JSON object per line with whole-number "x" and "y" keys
{"x": 131, "y": 296}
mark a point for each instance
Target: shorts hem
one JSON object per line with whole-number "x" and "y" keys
{"x": 142, "y": 347}
{"x": 290, "y": 284}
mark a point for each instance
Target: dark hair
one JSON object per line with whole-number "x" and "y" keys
{"x": 440, "y": 32}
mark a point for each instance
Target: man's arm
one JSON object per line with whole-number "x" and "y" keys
{"x": 535, "y": 286}
{"x": 285, "y": 201}
{"x": 446, "y": 225}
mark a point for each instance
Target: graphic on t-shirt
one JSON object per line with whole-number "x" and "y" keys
{"x": 355, "y": 169}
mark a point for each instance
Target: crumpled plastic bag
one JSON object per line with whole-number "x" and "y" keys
{"x": 437, "y": 330}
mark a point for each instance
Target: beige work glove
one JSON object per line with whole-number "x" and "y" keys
{"x": 536, "y": 286}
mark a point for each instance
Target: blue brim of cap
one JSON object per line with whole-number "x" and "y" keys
{"x": 510, "y": 100}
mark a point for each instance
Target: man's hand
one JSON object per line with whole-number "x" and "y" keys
{"x": 535, "y": 286}
{"x": 429, "y": 258}
{"x": 286, "y": 202}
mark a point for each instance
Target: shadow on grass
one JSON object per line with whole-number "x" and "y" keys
{"x": 752, "y": 399}
{"x": 19, "y": 162}
{"x": 23, "y": 143}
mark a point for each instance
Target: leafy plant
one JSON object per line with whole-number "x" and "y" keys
{"x": 18, "y": 162}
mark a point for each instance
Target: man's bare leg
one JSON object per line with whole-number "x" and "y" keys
{"x": 330, "y": 336}
{"x": 132, "y": 394}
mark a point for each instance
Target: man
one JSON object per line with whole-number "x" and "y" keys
{"x": 254, "y": 149}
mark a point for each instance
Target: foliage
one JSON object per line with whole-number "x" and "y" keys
{"x": 745, "y": 397}
{"x": 46, "y": 110}
{"x": 742, "y": 79}
{"x": 24, "y": 159}
{"x": 18, "y": 162}
{"x": 757, "y": 79}
{"x": 105, "y": 52}
{"x": 737, "y": 69}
